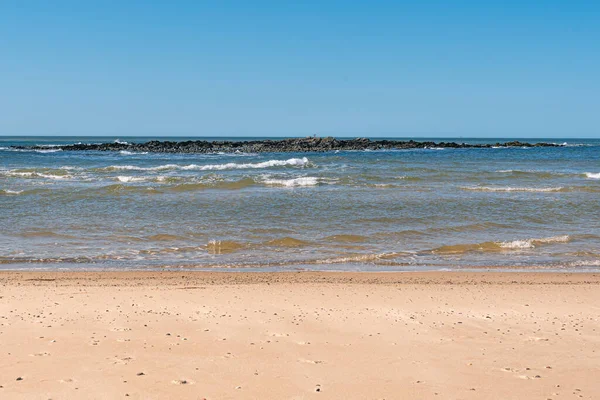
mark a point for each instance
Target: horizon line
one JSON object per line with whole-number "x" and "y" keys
{"x": 310, "y": 135}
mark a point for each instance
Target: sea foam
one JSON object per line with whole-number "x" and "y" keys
{"x": 511, "y": 189}
{"x": 592, "y": 175}
{"x": 304, "y": 181}
{"x": 36, "y": 175}
{"x": 532, "y": 243}
{"x": 130, "y": 179}
{"x": 10, "y": 192}
{"x": 294, "y": 162}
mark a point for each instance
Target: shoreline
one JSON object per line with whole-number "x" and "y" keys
{"x": 170, "y": 277}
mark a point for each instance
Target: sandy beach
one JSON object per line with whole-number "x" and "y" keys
{"x": 196, "y": 335}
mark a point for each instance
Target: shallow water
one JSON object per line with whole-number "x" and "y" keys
{"x": 524, "y": 208}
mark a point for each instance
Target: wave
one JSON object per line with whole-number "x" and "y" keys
{"x": 48, "y": 260}
{"x": 500, "y": 246}
{"x": 561, "y": 189}
{"x": 35, "y": 174}
{"x": 217, "y": 247}
{"x": 228, "y": 185}
{"x": 380, "y": 258}
{"x": 119, "y": 188}
{"x": 511, "y": 189}
{"x": 517, "y": 173}
{"x": 294, "y": 162}
{"x": 467, "y": 227}
{"x": 346, "y": 238}
{"x": 585, "y": 263}
{"x": 132, "y": 153}
{"x": 532, "y": 243}
{"x": 304, "y": 181}
{"x": 164, "y": 237}
{"x": 49, "y": 234}
{"x": 131, "y": 179}
{"x": 8, "y": 192}
{"x": 592, "y": 175}
{"x": 287, "y": 242}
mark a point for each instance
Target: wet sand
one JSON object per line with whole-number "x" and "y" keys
{"x": 195, "y": 335}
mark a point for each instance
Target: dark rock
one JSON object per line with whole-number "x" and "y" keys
{"x": 308, "y": 144}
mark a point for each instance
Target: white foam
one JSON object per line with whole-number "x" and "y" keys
{"x": 7, "y": 191}
{"x": 130, "y": 178}
{"x": 511, "y": 189}
{"x": 54, "y": 176}
{"x": 585, "y": 263}
{"x": 296, "y": 162}
{"x": 304, "y": 181}
{"x": 131, "y": 153}
{"x": 48, "y": 150}
{"x": 38, "y": 175}
{"x": 517, "y": 244}
{"x": 592, "y": 175}
{"x": 120, "y": 142}
{"x": 531, "y": 243}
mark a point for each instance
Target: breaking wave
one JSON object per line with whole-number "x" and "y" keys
{"x": 305, "y": 181}
{"x": 511, "y": 189}
{"x": 131, "y": 179}
{"x": 293, "y": 162}
{"x": 532, "y": 243}
{"x": 592, "y": 175}
{"x": 500, "y": 246}
{"x": 8, "y": 192}
{"x": 36, "y": 174}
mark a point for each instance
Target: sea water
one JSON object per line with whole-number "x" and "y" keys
{"x": 532, "y": 209}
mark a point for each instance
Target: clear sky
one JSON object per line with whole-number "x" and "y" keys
{"x": 283, "y": 68}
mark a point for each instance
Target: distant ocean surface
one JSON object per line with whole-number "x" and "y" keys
{"x": 534, "y": 209}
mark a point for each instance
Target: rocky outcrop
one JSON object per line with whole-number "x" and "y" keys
{"x": 309, "y": 144}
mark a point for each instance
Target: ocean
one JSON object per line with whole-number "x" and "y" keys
{"x": 531, "y": 209}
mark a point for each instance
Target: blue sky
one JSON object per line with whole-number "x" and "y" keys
{"x": 277, "y": 68}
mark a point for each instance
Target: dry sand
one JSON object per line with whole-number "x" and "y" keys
{"x": 299, "y": 335}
